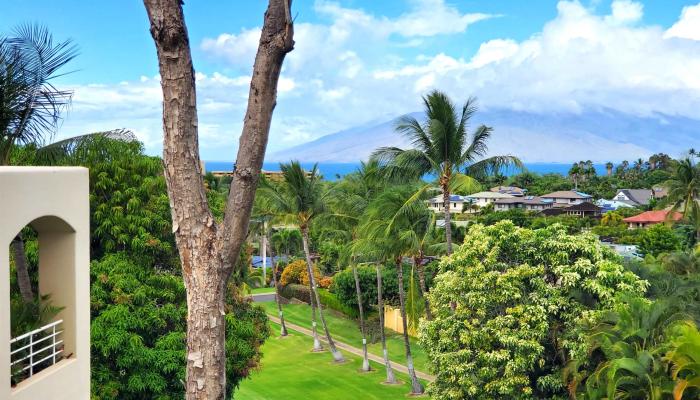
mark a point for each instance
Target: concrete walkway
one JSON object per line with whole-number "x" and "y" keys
{"x": 353, "y": 350}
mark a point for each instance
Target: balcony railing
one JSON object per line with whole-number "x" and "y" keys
{"x": 35, "y": 351}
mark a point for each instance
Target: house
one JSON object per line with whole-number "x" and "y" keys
{"x": 660, "y": 192}
{"x": 565, "y": 198}
{"x": 585, "y": 209}
{"x": 53, "y": 360}
{"x": 511, "y": 190}
{"x": 634, "y": 197}
{"x": 649, "y": 218}
{"x": 528, "y": 203}
{"x": 436, "y": 204}
{"x": 612, "y": 205}
{"x": 482, "y": 199}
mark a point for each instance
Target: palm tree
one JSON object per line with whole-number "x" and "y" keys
{"x": 575, "y": 173}
{"x": 299, "y": 199}
{"x": 684, "y": 186}
{"x": 30, "y": 105}
{"x": 263, "y": 213}
{"x": 348, "y": 201}
{"x": 609, "y": 168}
{"x": 443, "y": 147}
{"x": 387, "y": 221}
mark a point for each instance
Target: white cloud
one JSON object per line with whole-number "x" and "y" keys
{"x": 688, "y": 26}
{"x": 356, "y": 67}
{"x": 625, "y": 11}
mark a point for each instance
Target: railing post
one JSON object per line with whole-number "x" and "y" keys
{"x": 53, "y": 349}
{"x": 31, "y": 355}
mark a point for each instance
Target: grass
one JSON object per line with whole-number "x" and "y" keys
{"x": 263, "y": 290}
{"x": 290, "y": 371}
{"x": 347, "y": 330}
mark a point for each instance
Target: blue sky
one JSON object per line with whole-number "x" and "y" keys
{"x": 358, "y": 61}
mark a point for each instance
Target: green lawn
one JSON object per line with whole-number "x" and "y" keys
{"x": 262, "y": 290}
{"x": 289, "y": 371}
{"x": 348, "y": 331}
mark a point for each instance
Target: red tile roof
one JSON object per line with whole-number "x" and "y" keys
{"x": 653, "y": 217}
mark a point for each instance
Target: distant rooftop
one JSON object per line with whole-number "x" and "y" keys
{"x": 653, "y": 217}
{"x": 490, "y": 195}
{"x": 567, "y": 194}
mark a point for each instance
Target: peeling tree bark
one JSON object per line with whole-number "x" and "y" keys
{"x": 207, "y": 250}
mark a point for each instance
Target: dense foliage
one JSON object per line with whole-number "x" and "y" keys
{"x": 507, "y": 309}
{"x": 138, "y": 332}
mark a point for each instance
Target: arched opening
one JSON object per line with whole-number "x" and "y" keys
{"x": 42, "y": 259}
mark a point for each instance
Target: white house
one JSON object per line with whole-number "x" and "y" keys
{"x": 634, "y": 197}
{"x": 483, "y": 199}
{"x": 528, "y": 203}
{"x": 565, "y": 198}
{"x": 456, "y": 203}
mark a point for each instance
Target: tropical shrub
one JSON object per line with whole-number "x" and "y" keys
{"x": 138, "y": 332}
{"x": 507, "y": 307}
{"x": 659, "y": 239}
{"x": 331, "y": 301}
{"x": 297, "y": 291}
{"x": 684, "y": 357}
{"x": 296, "y": 272}
{"x": 325, "y": 282}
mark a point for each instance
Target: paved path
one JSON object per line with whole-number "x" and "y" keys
{"x": 263, "y": 297}
{"x": 352, "y": 349}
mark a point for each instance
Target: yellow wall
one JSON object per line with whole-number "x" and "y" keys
{"x": 393, "y": 321}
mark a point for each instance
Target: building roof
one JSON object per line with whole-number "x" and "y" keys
{"x": 567, "y": 194}
{"x": 653, "y": 217}
{"x": 523, "y": 200}
{"x": 660, "y": 192}
{"x": 585, "y": 206}
{"x": 513, "y": 190}
{"x": 490, "y": 195}
{"x": 638, "y": 196}
{"x": 453, "y": 197}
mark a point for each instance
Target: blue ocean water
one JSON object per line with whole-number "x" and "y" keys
{"x": 332, "y": 171}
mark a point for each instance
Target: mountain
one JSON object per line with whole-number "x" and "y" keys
{"x": 601, "y": 135}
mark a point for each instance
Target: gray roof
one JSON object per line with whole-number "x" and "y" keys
{"x": 638, "y": 196}
{"x": 523, "y": 200}
{"x": 566, "y": 194}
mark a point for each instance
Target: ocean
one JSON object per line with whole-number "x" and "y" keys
{"x": 333, "y": 171}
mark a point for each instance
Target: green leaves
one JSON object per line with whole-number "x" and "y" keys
{"x": 507, "y": 307}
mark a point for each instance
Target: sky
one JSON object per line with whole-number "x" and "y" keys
{"x": 359, "y": 61}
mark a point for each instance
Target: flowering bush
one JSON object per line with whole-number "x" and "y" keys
{"x": 296, "y": 272}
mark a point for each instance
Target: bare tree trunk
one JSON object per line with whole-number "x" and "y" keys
{"x": 283, "y": 329}
{"x": 22, "y": 270}
{"x": 448, "y": 217}
{"x": 207, "y": 250}
{"x": 314, "y": 292}
{"x": 365, "y": 360}
{"x": 390, "y": 377}
{"x": 416, "y": 387}
{"x": 418, "y": 262}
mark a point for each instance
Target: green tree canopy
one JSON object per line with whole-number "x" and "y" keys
{"x": 507, "y": 306}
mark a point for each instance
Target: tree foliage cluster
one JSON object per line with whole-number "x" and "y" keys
{"x": 508, "y": 306}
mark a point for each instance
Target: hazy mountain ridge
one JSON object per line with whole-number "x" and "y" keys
{"x": 603, "y": 135}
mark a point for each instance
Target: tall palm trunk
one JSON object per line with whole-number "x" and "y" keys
{"x": 416, "y": 387}
{"x": 448, "y": 215}
{"x": 283, "y": 329}
{"x": 390, "y": 378}
{"x": 365, "y": 359}
{"x": 418, "y": 264}
{"x": 22, "y": 269}
{"x": 314, "y": 292}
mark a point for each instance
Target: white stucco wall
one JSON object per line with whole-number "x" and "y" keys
{"x": 55, "y": 202}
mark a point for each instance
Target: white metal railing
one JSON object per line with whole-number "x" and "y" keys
{"x": 35, "y": 351}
